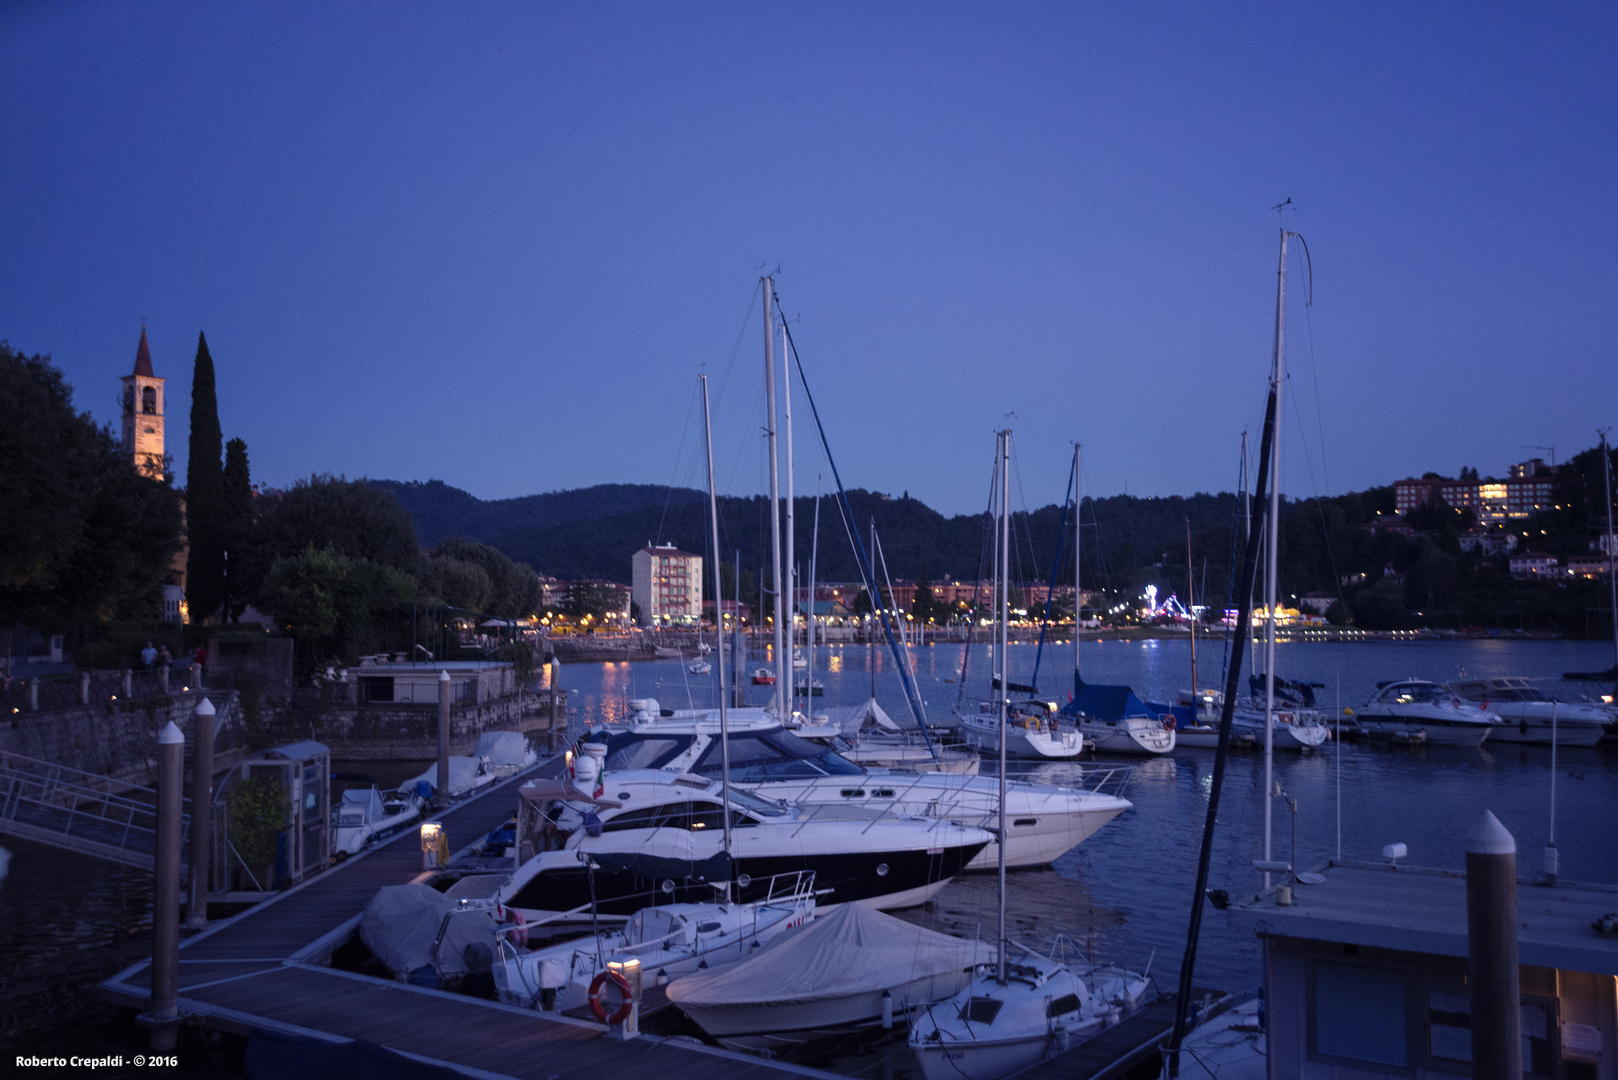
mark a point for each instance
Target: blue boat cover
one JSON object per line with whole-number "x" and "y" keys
{"x": 1103, "y": 702}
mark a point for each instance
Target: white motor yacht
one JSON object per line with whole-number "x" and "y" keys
{"x": 768, "y": 761}
{"x": 1446, "y": 720}
{"x": 873, "y": 857}
{"x": 996, "y": 1027}
{"x": 364, "y": 817}
{"x": 1528, "y": 713}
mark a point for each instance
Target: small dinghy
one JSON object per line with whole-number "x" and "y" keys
{"x": 668, "y": 941}
{"x": 701, "y": 667}
{"x": 504, "y": 752}
{"x": 364, "y": 817}
{"x": 763, "y": 677}
{"x": 851, "y": 968}
{"x": 426, "y": 937}
{"x": 465, "y": 774}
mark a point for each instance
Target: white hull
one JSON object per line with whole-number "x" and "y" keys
{"x": 348, "y": 841}
{"x": 1539, "y": 732}
{"x": 761, "y": 1026}
{"x": 1132, "y": 735}
{"x": 1288, "y": 733}
{"x": 1438, "y": 734}
{"x": 1206, "y": 738}
{"x": 1034, "y": 744}
{"x": 951, "y": 762}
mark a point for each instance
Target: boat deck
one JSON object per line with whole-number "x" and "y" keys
{"x": 261, "y": 970}
{"x": 1118, "y": 1049}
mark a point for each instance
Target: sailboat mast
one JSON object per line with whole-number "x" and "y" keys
{"x": 775, "y": 494}
{"x": 1191, "y": 606}
{"x": 791, "y": 562}
{"x": 1612, "y": 554}
{"x": 1271, "y": 561}
{"x": 809, "y": 644}
{"x": 1003, "y": 572}
{"x": 718, "y": 612}
{"x": 1078, "y": 564}
{"x": 870, "y": 623}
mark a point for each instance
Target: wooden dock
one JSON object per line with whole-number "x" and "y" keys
{"x": 1118, "y": 1050}
{"x": 263, "y": 970}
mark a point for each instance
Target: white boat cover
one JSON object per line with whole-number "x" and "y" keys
{"x": 503, "y": 748}
{"x": 851, "y": 719}
{"x": 852, "y": 950}
{"x": 402, "y": 921}
{"x": 462, "y": 772}
{"x": 368, "y": 802}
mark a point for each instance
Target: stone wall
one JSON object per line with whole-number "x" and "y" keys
{"x": 382, "y": 732}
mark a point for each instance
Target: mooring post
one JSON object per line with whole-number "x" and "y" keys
{"x": 556, "y": 683}
{"x": 165, "y": 1014}
{"x": 196, "y": 908}
{"x": 441, "y": 796}
{"x": 1491, "y": 930}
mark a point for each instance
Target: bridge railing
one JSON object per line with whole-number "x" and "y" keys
{"x": 82, "y": 810}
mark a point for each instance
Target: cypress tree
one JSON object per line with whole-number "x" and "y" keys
{"x": 237, "y": 500}
{"x": 204, "y": 495}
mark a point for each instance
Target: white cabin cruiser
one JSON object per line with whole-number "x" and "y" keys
{"x": 994, "y": 1028}
{"x": 872, "y": 857}
{"x": 669, "y": 940}
{"x": 768, "y": 761}
{"x": 364, "y": 817}
{"x": 1527, "y": 712}
{"x": 1416, "y": 703}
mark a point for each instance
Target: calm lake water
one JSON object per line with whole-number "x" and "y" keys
{"x": 67, "y": 921}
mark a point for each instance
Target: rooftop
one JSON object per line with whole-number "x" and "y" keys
{"x": 1415, "y": 909}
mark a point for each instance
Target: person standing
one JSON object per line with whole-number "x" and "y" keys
{"x": 148, "y": 656}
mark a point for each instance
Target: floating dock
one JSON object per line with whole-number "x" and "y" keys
{"x": 267, "y": 970}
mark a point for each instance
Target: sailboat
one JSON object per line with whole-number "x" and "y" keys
{"x": 1036, "y": 732}
{"x": 1021, "y": 1012}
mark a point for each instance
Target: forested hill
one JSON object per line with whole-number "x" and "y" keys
{"x": 592, "y": 532}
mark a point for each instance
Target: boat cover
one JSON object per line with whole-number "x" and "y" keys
{"x": 849, "y": 720}
{"x": 1102, "y": 702}
{"x": 462, "y": 771}
{"x": 656, "y": 867}
{"x": 503, "y": 748}
{"x": 852, "y": 950}
{"x": 368, "y": 801}
{"x": 402, "y": 921}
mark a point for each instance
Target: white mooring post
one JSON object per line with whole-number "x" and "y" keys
{"x": 441, "y": 796}
{"x": 1491, "y": 929}
{"x": 165, "y": 1015}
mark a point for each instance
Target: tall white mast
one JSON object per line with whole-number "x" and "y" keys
{"x": 1612, "y": 554}
{"x": 1003, "y": 572}
{"x": 781, "y": 669}
{"x": 1078, "y": 563}
{"x": 1271, "y": 562}
{"x": 718, "y": 611}
{"x": 791, "y": 562}
{"x": 809, "y": 608}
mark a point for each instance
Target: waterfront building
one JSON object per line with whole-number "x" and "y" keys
{"x": 666, "y": 584}
{"x": 1529, "y": 489}
{"x": 1365, "y": 975}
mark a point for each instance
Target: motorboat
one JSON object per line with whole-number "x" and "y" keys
{"x": 809, "y": 687}
{"x": 667, "y": 940}
{"x": 1115, "y": 721}
{"x": 1425, "y": 706}
{"x": 364, "y": 817}
{"x": 422, "y": 935}
{"x": 1528, "y": 713}
{"x": 770, "y": 762}
{"x": 1003, "y": 1023}
{"x": 845, "y": 971}
{"x": 763, "y": 677}
{"x": 701, "y": 667}
{"x": 1032, "y": 733}
{"x": 505, "y": 752}
{"x": 466, "y": 774}
{"x": 799, "y": 661}
{"x": 873, "y": 857}
{"x": 866, "y": 735}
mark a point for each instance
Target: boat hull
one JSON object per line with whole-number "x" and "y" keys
{"x": 1037, "y": 745}
{"x": 1438, "y": 732}
{"x": 1133, "y": 735}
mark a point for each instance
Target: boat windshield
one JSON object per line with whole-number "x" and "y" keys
{"x": 981, "y": 1010}
{"x": 632, "y": 750}
{"x": 748, "y": 801}
{"x": 351, "y": 820}
{"x": 1415, "y": 694}
{"x": 774, "y": 755}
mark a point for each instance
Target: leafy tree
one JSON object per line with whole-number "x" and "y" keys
{"x": 334, "y": 605}
{"x": 353, "y": 518}
{"x": 258, "y": 813}
{"x": 236, "y": 529}
{"x": 458, "y": 583}
{"x": 597, "y": 598}
{"x": 204, "y": 493}
{"x": 84, "y": 537}
{"x": 514, "y": 590}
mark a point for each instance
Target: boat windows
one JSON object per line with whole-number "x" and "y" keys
{"x": 1414, "y": 694}
{"x": 981, "y": 1010}
{"x": 635, "y": 751}
{"x": 350, "y": 821}
{"x": 1062, "y": 1006}
{"x": 756, "y": 804}
{"x": 1449, "y": 1031}
{"x": 776, "y": 755}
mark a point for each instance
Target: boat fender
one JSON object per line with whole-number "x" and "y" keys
{"x": 520, "y": 935}
{"x": 599, "y": 1009}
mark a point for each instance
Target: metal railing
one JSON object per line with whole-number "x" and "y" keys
{"x": 81, "y": 811}
{"x": 75, "y": 689}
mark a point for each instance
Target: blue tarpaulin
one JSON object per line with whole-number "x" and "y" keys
{"x": 1102, "y": 702}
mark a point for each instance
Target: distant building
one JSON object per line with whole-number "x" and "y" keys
{"x": 1317, "y": 602}
{"x": 553, "y": 591}
{"x": 1489, "y": 543}
{"x": 1529, "y": 489}
{"x": 143, "y": 413}
{"x": 1586, "y": 566}
{"x": 666, "y": 583}
{"x": 1534, "y": 564}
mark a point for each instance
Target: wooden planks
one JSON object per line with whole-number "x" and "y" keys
{"x": 1117, "y": 1048}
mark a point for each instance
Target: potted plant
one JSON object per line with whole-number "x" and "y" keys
{"x": 258, "y": 814}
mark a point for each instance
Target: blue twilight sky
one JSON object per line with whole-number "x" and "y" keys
{"x": 495, "y": 244}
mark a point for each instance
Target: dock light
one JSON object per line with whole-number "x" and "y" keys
{"x": 630, "y": 972}
{"x": 434, "y": 845}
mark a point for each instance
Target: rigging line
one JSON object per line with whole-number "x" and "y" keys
{"x": 977, "y": 582}
{"x": 1320, "y": 503}
{"x": 912, "y": 695}
{"x": 736, "y": 347}
{"x": 678, "y": 456}
{"x": 1314, "y": 374}
{"x": 1061, "y": 534}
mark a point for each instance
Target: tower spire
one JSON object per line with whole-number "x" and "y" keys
{"x": 143, "y": 357}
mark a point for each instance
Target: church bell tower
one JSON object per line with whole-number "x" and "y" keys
{"x": 143, "y": 414}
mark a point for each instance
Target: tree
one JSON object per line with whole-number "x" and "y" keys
{"x": 514, "y": 590}
{"x": 204, "y": 493}
{"x": 596, "y": 598}
{"x": 84, "y": 537}
{"x": 334, "y": 605}
{"x": 236, "y": 529}
{"x": 352, "y": 518}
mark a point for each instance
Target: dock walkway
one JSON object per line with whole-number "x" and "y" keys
{"x": 262, "y": 970}
{"x": 1117, "y": 1050}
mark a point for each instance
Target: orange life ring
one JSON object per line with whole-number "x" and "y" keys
{"x": 623, "y": 988}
